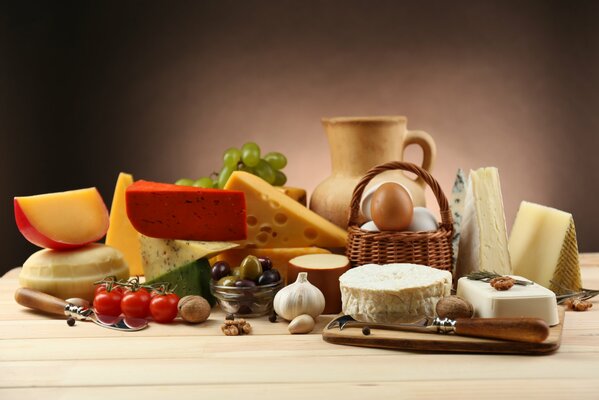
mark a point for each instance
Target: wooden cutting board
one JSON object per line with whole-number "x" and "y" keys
{"x": 439, "y": 343}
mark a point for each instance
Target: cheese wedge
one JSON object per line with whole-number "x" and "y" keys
{"x": 483, "y": 238}
{"x": 160, "y": 256}
{"x": 276, "y": 220}
{"x": 121, "y": 234}
{"x": 543, "y": 247}
{"x": 280, "y": 256}
{"x": 458, "y": 197}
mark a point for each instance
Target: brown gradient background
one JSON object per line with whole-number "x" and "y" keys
{"x": 160, "y": 89}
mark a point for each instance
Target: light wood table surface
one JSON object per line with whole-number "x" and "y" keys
{"x": 43, "y": 358}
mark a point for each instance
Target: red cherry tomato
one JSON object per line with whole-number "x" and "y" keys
{"x": 164, "y": 307}
{"x": 136, "y": 304}
{"x": 102, "y": 287}
{"x": 108, "y": 303}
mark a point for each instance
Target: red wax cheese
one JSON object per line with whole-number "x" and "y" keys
{"x": 166, "y": 211}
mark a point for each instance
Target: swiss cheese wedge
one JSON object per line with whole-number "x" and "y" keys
{"x": 276, "y": 220}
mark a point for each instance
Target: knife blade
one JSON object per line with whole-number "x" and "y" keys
{"x": 47, "y": 303}
{"x": 530, "y": 330}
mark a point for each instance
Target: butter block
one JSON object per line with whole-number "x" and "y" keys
{"x": 483, "y": 241}
{"x": 533, "y": 301}
{"x": 276, "y": 220}
{"x": 543, "y": 247}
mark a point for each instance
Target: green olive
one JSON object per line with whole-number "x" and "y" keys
{"x": 250, "y": 268}
{"x": 227, "y": 281}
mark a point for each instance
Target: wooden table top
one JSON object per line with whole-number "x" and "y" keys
{"x": 43, "y": 358}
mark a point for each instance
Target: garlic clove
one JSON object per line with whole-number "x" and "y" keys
{"x": 301, "y": 324}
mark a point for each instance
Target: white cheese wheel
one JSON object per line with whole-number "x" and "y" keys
{"x": 72, "y": 273}
{"x": 393, "y": 293}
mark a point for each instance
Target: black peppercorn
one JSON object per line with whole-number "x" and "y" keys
{"x": 71, "y": 321}
{"x": 366, "y": 331}
{"x": 272, "y": 317}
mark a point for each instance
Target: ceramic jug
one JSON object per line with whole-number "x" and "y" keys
{"x": 359, "y": 143}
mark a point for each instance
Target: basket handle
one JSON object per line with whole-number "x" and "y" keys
{"x": 446, "y": 218}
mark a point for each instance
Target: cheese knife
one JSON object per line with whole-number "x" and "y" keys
{"x": 530, "y": 330}
{"x": 47, "y": 303}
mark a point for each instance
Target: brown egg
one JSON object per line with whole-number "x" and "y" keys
{"x": 391, "y": 207}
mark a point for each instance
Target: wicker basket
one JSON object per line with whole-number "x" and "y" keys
{"x": 427, "y": 248}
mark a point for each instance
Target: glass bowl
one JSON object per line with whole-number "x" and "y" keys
{"x": 247, "y": 302}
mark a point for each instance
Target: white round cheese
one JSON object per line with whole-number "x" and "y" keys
{"x": 393, "y": 293}
{"x": 72, "y": 273}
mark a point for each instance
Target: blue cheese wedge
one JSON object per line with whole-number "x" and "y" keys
{"x": 483, "y": 238}
{"x": 392, "y": 293}
{"x": 458, "y": 196}
{"x": 534, "y": 301}
{"x": 160, "y": 256}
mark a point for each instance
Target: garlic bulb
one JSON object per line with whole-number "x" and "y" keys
{"x": 301, "y": 297}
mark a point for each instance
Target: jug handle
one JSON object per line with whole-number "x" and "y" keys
{"x": 429, "y": 150}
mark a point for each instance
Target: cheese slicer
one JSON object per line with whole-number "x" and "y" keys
{"x": 529, "y": 330}
{"x": 47, "y": 303}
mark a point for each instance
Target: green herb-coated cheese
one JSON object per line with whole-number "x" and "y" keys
{"x": 192, "y": 278}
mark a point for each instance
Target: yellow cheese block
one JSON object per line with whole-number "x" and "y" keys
{"x": 72, "y": 273}
{"x": 543, "y": 247}
{"x": 121, "y": 234}
{"x": 280, "y": 257}
{"x": 296, "y": 194}
{"x": 276, "y": 220}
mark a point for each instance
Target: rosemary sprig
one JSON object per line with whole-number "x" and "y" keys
{"x": 486, "y": 276}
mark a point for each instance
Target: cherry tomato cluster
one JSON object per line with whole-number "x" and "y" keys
{"x": 135, "y": 300}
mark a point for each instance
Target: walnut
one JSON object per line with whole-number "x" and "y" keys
{"x": 234, "y": 327}
{"x": 502, "y": 282}
{"x": 454, "y": 307}
{"x": 577, "y": 304}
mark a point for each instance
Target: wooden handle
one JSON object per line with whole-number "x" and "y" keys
{"x": 40, "y": 301}
{"x": 429, "y": 150}
{"x": 530, "y": 330}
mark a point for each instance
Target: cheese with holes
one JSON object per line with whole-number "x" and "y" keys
{"x": 323, "y": 271}
{"x": 166, "y": 211}
{"x": 160, "y": 256}
{"x": 483, "y": 238}
{"x": 121, "y": 234}
{"x": 543, "y": 247}
{"x": 458, "y": 196}
{"x": 532, "y": 301}
{"x": 275, "y": 220}
{"x": 393, "y": 293}
{"x": 296, "y": 194}
{"x": 72, "y": 273}
{"x": 279, "y": 256}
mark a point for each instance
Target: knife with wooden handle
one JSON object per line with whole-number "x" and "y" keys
{"x": 47, "y": 303}
{"x": 530, "y": 330}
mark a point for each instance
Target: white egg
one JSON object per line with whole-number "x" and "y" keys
{"x": 370, "y": 227}
{"x": 423, "y": 220}
{"x": 367, "y": 197}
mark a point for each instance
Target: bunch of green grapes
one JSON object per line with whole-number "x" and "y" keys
{"x": 246, "y": 159}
